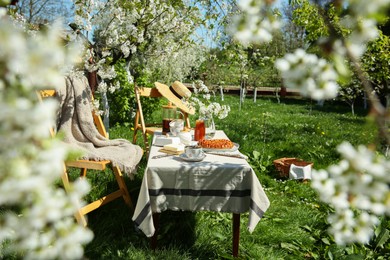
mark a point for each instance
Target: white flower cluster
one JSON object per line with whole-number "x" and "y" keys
{"x": 313, "y": 76}
{"x": 37, "y": 216}
{"x": 177, "y": 64}
{"x": 358, "y": 190}
{"x": 254, "y": 23}
{"x": 360, "y": 20}
{"x": 206, "y": 108}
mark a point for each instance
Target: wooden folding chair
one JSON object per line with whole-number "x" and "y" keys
{"x": 85, "y": 165}
{"x": 139, "y": 121}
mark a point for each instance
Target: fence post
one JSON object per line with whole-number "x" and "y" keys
{"x": 221, "y": 92}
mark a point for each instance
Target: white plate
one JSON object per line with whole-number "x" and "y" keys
{"x": 184, "y": 157}
{"x": 235, "y": 148}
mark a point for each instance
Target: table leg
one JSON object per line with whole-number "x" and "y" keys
{"x": 236, "y": 233}
{"x": 156, "y": 223}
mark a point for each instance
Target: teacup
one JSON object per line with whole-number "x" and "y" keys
{"x": 193, "y": 151}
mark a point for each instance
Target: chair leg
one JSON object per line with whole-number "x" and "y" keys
{"x": 146, "y": 144}
{"x": 135, "y": 135}
{"x": 78, "y": 215}
{"x": 65, "y": 179}
{"x": 122, "y": 186}
{"x": 83, "y": 172}
{"x": 81, "y": 219}
{"x": 136, "y": 126}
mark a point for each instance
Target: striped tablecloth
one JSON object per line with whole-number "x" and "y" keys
{"x": 218, "y": 183}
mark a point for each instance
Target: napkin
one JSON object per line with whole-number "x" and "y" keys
{"x": 165, "y": 140}
{"x": 236, "y": 154}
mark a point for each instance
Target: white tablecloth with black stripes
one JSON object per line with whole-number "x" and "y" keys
{"x": 217, "y": 183}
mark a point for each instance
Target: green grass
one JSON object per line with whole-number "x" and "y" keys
{"x": 295, "y": 225}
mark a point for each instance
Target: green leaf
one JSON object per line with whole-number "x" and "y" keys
{"x": 256, "y": 155}
{"x": 325, "y": 241}
{"x": 382, "y": 238}
{"x": 307, "y": 228}
{"x": 219, "y": 236}
{"x": 289, "y": 247}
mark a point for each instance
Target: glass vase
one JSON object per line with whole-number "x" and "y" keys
{"x": 204, "y": 128}
{"x": 210, "y": 127}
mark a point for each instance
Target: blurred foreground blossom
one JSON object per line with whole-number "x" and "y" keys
{"x": 362, "y": 23}
{"x": 357, "y": 188}
{"x": 37, "y": 218}
{"x": 313, "y": 76}
{"x": 255, "y": 23}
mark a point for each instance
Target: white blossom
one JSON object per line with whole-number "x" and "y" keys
{"x": 206, "y": 108}
{"x": 31, "y": 161}
{"x": 359, "y": 183}
{"x": 253, "y": 23}
{"x": 313, "y": 76}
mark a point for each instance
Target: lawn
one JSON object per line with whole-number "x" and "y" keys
{"x": 294, "y": 227}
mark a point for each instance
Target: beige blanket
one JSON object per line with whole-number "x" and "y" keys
{"x": 75, "y": 121}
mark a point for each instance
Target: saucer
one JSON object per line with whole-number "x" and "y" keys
{"x": 184, "y": 157}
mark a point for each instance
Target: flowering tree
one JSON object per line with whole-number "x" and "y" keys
{"x": 357, "y": 187}
{"x": 350, "y": 91}
{"x": 37, "y": 217}
{"x": 146, "y": 34}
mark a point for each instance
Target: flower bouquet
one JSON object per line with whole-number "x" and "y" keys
{"x": 207, "y": 110}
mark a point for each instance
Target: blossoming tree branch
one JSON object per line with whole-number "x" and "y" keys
{"x": 37, "y": 218}
{"x": 358, "y": 187}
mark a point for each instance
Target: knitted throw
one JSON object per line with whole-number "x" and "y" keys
{"x": 75, "y": 121}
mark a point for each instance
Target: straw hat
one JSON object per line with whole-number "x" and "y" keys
{"x": 175, "y": 94}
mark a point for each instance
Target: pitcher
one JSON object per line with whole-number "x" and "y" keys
{"x": 169, "y": 115}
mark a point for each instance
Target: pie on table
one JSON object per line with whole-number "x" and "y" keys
{"x": 216, "y": 144}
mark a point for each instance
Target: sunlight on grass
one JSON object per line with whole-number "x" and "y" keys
{"x": 294, "y": 226}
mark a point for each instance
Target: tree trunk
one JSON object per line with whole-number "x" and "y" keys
{"x": 283, "y": 92}
{"x": 240, "y": 93}
{"x": 221, "y": 92}
{"x": 365, "y": 100}
{"x": 106, "y": 107}
{"x": 92, "y": 80}
{"x": 277, "y": 95}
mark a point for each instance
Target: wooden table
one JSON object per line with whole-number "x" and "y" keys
{"x": 217, "y": 183}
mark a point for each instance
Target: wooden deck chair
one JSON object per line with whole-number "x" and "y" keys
{"x": 85, "y": 165}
